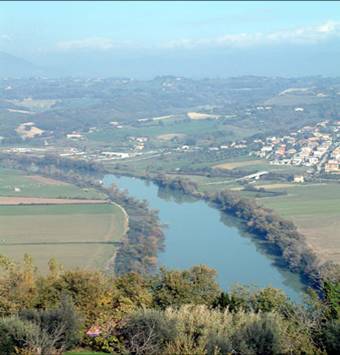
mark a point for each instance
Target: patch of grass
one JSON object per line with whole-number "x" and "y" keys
{"x": 76, "y": 235}
{"x": 38, "y": 210}
{"x": 239, "y": 164}
{"x": 186, "y": 127}
{"x": 315, "y": 209}
{"x": 15, "y": 179}
{"x": 308, "y": 199}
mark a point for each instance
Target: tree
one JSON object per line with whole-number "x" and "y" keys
{"x": 196, "y": 285}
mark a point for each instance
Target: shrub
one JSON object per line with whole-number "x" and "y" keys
{"x": 200, "y": 330}
{"x": 59, "y": 327}
{"x": 16, "y": 334}
{"x": 194, "y": 286}
{"x": 261, "y": 336}
{"x": 331, "y": 337}
{"x": 148, "y": 332}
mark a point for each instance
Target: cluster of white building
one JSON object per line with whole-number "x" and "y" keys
{"x": 310, "y": 146}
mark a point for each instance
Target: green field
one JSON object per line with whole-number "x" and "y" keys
{"x": 315, "y": 209}
{"x": 29, "y": 187}
{"x": 186, "y": 127}
{"x": 75, "y": 235}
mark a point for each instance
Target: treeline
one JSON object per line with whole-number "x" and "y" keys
{"x": 144, "y": 238}
{"x": 51, "y": 164}
{"x": 289, "y": 243}
{"x": 179, "y": 184}
{"x": 262, "y": 192}
{"x": 263, "y": 223}
{"x": 171, "y": 312}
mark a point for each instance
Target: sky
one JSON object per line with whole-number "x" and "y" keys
{"x": 194, "y": 38}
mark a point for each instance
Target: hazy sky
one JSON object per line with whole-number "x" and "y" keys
{"x": 160, "y": 37}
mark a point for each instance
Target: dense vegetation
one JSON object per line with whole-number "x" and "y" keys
{"x": 171, "y": 312}
{"x": 144, "y": 238}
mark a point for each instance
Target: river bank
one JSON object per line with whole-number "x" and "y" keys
{"x": 198, "y": 233}
{"x": 143, "y": 243}
{"x": 139, "y": 247}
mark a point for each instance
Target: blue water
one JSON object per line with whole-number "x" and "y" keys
{"x": 197, "y": 233}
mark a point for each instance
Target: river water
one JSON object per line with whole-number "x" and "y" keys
{"x": 197, "y": 233}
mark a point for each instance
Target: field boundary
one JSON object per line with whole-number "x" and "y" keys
{"x": 29, "y": 201}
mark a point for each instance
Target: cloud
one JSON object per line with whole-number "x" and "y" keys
{"x": 311, "y": 34}
{"x": 98, "y": 43}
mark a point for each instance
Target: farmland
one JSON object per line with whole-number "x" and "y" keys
{"x": 315, "y": 209}
{"x": 239, "y": 164}
{"x": 16, "y": 183}
{"x": 77, "y": 235}
{"x": 49, "y": 218}
{"x": 182, "y": 128}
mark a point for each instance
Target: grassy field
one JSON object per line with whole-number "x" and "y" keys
{"x": 240, "y": 163}
{"x": 246, "y": 163}
{"x": 75, "y": 235}
{"x": 185, "y": 127}
{"x": 16, "y": 183}
{"x": 315, "y": 209}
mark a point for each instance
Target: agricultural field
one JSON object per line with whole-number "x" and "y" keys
{"x": 15, "y": 183}
{"x": 77, "y": 235}
{"x": 183, "y": 128}
{"x": 48, "y": 218}
{"x": 315, "y": 209}
{"x": 240, "y": 163}
{"x": 247, "y": 163}
{"x": 34, "y": 105}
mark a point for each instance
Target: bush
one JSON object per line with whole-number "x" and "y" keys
{"x": 201, "y": 330}
{"x": 194, "y": 286}
{"x": 252, "y": 299}
{"x": 331, "y": 337}
{"x": 148, "y": 332}
{"x": 16, "y": 334}
{"x": 261, "y": 336}
{"x": 59, "y": 327}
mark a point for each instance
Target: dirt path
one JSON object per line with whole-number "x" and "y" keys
{"x": 15, "y": 201}
{"x": 46, "y": 181}
{"x": 111, "y": 262}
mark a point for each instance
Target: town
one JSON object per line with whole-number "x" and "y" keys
{"x": 316, "y": 147}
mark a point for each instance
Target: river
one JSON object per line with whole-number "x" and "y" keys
{"x": 197, "y": 233}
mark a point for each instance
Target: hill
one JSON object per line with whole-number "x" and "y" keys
{"x": 12, "y": 66}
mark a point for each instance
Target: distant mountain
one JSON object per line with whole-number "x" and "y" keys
{"x": 12, "y": 66}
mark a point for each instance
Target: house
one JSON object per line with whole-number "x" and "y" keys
{"x": 266, "y": 149}
{"x": 74, "y": 136}
{"x": 332, "y": 166}
{"x": 141, "y": 139}
{"x": 299, "y": 179}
